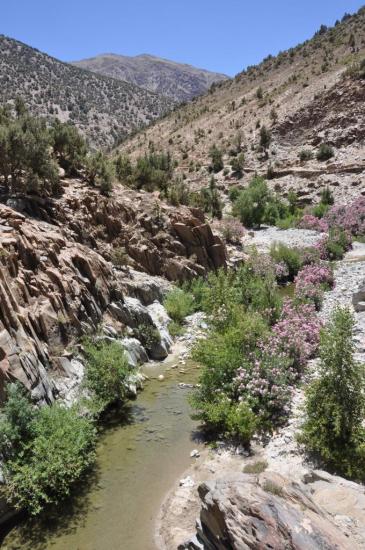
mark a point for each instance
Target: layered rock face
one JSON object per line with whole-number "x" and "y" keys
{"x": 57, "y": 283}
{"x": 245, "y": 511}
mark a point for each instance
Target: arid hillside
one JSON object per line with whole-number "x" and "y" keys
{"x": 180, "y": 82}
{"x": 104, "y": 109}
{"x": 263, "y": 120}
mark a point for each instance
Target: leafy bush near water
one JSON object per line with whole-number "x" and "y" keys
{"x": 45, "y": 451}
{"x": 106, "y": 373}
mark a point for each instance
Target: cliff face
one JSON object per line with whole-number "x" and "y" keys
{"x": 57, "y": 281}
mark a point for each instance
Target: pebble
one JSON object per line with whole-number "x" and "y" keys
{"x": 161, "y": 377}
{"x": 187, "y": 482}
{"x": 194, "y": 453}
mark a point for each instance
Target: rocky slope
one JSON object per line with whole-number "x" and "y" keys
{"x": 104, "y": 109}
{"x": 66, "y": 269}
{"x": 304, "y": 96}
{"x": 180, "y": 82}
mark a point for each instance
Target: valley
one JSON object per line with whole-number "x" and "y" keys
{"x": 182, "y": 300}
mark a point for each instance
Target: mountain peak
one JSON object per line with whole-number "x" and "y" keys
{"x": 179, "y": 81}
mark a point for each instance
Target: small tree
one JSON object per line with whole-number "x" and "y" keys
{"x": 123, "y": 167}
{"x": 251, "y": 203}
{"x": 335, "y": 406}
{"x": 265, "y": 137}
{"x": 216, "y": 159}
{"x": 325, "y": 152}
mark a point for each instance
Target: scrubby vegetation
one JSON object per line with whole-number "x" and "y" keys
{"x": 335, "y": 406}
{"x": 45, "y": 451}
{"x": 106, "y": 373}
{"x": 31, "y": 153}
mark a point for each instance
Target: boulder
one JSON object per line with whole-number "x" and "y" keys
{"x": 243, "y": 511}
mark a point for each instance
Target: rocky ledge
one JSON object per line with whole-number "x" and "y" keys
{"x": 265, "y": 511}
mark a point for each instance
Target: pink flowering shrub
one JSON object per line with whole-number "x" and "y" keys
{"x": 266, "y": 387}
{"x": 309, "y": 221}
{"x": 312, "y": 281}
{"x": 295, "y": 335}
{"x": 350, "y": 217}
{"x": 281, "y": 271}
{"x": 334, "y": 245}
{"x": 232, "y": 230}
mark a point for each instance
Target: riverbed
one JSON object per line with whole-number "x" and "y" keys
{"x": 141, "y": 453}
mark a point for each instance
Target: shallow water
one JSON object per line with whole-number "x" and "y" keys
{"x": 141, "y": 454}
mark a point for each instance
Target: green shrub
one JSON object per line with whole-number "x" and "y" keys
{"x": 234, "y": 192}
{"x": 251, "y": 203}
{"x": 69, "y": 146}
{"x": 61, "y": 448}
{"x": 237, "y": 164}
{"x": 179, "y": 304}
{"x": 99, "y": 171}
{"x": 305, "y": 154}
{"x": 148, "y": 335}
{"x": 291, "y": 257}
{"x": 106, "y": 373}
{"x": 256, "y": 467}
{"x": 320, "y": 210}
{"x": 222, "y": 417}
{"x": 265, "y": 137}
{"x": 335, "y": 405}
{"x": 16, "y": 418}
{"x": 216, "y": 157}
{"x": 325, "y": 152}
{"x": 123, "y": 168}
{"x": 224, "y": 350}
{"x": 327, "y": 196}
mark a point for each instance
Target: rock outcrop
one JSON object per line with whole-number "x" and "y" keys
{"x": 59, "y": 278}
{"x": 245, "y": 511}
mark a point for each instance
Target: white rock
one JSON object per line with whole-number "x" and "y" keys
{"x": 187, "y": 482}
{"x": 194, "y": 453}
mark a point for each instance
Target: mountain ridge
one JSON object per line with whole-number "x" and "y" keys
{"x": 105, "y": 110}
{"x": 179, "y": 81}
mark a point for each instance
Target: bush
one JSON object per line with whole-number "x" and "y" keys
{"x": 59, "y": 451}
{"x": 350, "y": 217}
{"x": 216, "y": 157}
{"x": 334, "y": 245}
{"x": 265, "y": 137}
{"x": 256, "y": 467}
{"x": 291, "y": 257}
{"x": 294, "y": 336}
{"x": 222, "y": 417}
{"x": 312, "y": 281}
{"x": 152, "y": 172}
{"x": 237, "y": 164}
{"x": 232, "y": 230}
{"x": 314, "y": 223}
{"x": 148, "y": 335}
{"x": 123, "y": 168}
{"x": 69, "y": 146}
{"x": 335, "y": 405}
{"x": 106, "y": 373}
{"x": 320, "y": 210}
{"x": 327, "y": 196}
{"x": 305, "y": 154}
{"x": 325, "y": 152}
{"x": 179, "y": 304}
{"x": 26, "y": 161}
{"x": 251, "y": 203}
{"x": 99, "y": 171}
{"x": 16, "y": 418}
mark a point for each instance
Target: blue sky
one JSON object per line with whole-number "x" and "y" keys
{"x": 219, "y": 35}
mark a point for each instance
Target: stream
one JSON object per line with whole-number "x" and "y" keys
{"x": 140, "y": 455}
